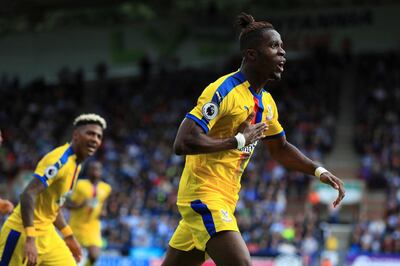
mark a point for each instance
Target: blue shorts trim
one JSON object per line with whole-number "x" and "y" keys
{"x": 9, "y": 248}
{"x": 206, "y": 215}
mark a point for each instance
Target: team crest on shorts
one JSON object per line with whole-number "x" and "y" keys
{"x": 210, "y": 110}
{"x": 225, "y": 216}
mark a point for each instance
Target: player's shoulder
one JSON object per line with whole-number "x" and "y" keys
{"x": 83, "y": 182}
{"x": 224, "y": 85}
{"x": 105, "y": 186}
{"x": 58, "y": 153}
{"x": 230, "y": 80}
{"x": 267, "y": 95}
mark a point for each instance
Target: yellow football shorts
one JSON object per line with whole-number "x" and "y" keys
{"x": 201, "y": 221}
{"x": 88, "y": 235}
{"x": 52, "y": 250}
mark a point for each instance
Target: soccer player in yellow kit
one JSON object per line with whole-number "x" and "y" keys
{"x": 86, "y": 204}
{"x": 218, "y": 138}
{"x": 29, "y": 236}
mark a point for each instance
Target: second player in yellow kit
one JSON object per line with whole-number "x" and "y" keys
{"x": 29, "y": 235}
{"x": 86, "y": 204}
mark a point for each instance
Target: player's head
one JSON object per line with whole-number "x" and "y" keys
{"x": 95, "y": 170}
{"x": 261, "y": 47}
{"x": 1, "y": 138}
{"x": 87, "y": 134}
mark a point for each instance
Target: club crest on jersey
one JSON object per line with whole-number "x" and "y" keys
{"x": 225, "y": 216}
{"x": 210, "y": 110}
{"x": 270, "y": 113}
{"x": 50, "y": 172}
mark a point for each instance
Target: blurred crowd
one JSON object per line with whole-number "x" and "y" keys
{"x": 377, "y": 139}
{"x": 143, "y": 114}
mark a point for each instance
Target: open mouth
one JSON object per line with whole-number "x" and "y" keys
{"x": 280, "y": 66}
{"x": 91, "y": 148}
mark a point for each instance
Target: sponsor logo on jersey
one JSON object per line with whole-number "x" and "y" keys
{"x": 249, "y": 148}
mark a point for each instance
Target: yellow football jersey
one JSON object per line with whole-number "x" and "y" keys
{"x": 94, "y": 195}
{"x": 85, "y": 222}
{"x": 58, "y": 171}
{"x": 220, "y": 109}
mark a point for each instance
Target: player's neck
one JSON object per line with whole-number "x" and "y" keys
{"x": 257, "y": 83}
{"x": 93, "y": 180}
{"x": 79, "y": 158}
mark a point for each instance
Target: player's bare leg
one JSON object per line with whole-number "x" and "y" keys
{"x": 175, "y": 257}
{"x": 227, "y": 248}
{"x": 93, "y": 255}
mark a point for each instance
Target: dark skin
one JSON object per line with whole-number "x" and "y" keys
{"x": 85, "y": 141}
{"x": 191, "y": 139}
{"x": 260, "y": 64}
{"x": 94, "y": 173}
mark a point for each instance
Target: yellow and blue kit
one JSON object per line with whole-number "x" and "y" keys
{"x": 210, "y": 183}
{"x": 85, "y": 222}
{"x": 58, "y": 171}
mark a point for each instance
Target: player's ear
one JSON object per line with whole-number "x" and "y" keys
{"x": 75, "y": 134}
{"x": 251, "y": 54}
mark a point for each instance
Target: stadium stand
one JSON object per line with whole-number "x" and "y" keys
{"x": 377, "y": 139}
{"x": 137, "y": 151}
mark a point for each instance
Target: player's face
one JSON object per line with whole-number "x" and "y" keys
{"x": 270, "y": 59}
{"x": 95, "y": 170}
{"x": 88, "y": 139}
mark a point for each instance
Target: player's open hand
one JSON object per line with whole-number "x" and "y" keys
{"x": 74, "y": 246}
{"x": 252, "y": 132}
{"x": 336, "y": 183}
{"x": 30, "y": 252}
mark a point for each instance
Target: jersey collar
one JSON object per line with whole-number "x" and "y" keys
{"x": 239, "y": 76}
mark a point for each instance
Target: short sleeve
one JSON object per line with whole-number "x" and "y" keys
{"x": 275, "y": 129}
{"x": 46, "y": 170}
{"x": 211, "y": 106}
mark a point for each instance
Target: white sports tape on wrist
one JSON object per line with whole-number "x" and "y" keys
{"x": 319, "y": 171}
{"x": 241, "y": 140}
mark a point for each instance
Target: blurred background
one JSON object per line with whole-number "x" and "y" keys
{"x": 142, "y": 65}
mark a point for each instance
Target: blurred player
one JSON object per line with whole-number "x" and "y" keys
{"x": 219, "y": 136}
{"x": 29, "y": 235}
{"x": 86, "y": 204}
{"x": 5, "y": 205}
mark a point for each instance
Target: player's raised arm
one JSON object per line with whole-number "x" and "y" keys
{"x": 292, "y": 158}
{"x": 191, "y": 139}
